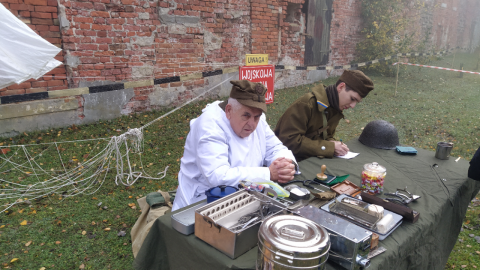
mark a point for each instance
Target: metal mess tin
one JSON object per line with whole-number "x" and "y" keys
{"x": 230, "y": 224}
{"x": 350, "y": 244}
{"x": 292, "y": 242}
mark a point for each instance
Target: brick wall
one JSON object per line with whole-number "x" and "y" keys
{"x": 41, "y": 16}
{"x": 111, "y": 41}
{"x": 344, "y": 32}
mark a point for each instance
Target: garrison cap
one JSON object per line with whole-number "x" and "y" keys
{"x": 358, "y": 81}
{"x": 249, "y": 94}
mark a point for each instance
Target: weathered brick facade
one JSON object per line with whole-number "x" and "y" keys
{"x": 110, "y": 41}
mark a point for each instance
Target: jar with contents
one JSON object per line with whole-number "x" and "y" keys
{"x": 373, "y": 176}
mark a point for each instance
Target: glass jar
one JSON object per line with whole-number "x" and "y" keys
{"x": 373, "y": 176}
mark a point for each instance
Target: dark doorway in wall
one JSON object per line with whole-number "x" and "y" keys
{"x": 293, "y": 14}
{"x": 317, "y": 39}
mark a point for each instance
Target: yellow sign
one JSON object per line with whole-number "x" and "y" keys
{"x": 256, "y": 59}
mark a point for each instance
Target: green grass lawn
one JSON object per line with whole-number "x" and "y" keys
{"x": 70, "y": 232}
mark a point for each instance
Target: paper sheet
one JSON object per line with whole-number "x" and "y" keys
{"x": 349, "y": 155}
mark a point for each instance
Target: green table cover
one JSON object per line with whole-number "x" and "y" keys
{"x": 445, "y": 192}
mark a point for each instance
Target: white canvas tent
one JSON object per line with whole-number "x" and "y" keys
{"x": 23, "y": 53}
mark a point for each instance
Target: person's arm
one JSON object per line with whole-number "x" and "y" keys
{"x": 274, "y": 147}
{"x": 474, "y": 169}
{"x": 291, "y": 130}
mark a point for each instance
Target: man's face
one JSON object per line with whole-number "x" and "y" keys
{"x": 347, "y": 99}
{"x": 243, "y": 120}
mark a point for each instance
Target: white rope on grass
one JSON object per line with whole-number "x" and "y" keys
{"x": 86, "y": 177}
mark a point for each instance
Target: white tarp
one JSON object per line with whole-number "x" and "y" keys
{"x": 23, "y": 53}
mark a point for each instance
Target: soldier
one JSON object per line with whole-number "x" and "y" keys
{"x": 307, "y": 127}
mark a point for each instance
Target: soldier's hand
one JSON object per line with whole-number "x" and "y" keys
{"x": 341, "y": 149}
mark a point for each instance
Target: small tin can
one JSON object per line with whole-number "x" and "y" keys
{"x": 373, "y": 176}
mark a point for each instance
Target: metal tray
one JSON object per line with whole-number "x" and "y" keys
{"x": 184, "y": 220}
{"x": 396, "y": 217}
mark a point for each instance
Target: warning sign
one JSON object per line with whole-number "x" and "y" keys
{"x": 262, "y": 74}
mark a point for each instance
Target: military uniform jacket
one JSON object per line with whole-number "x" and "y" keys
{"x": 301, "y": 128}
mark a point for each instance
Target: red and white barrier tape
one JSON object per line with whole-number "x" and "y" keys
{"x": 451, "y": 69}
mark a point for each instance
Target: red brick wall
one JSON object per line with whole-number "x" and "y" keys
{"x": 292, "y": 41}
{"x": 344, "y": 32}
{"x": 41, "y": 16}
{"x": 128, "y": 40}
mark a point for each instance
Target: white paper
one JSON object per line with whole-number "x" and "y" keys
{"x": 349, "y": 155}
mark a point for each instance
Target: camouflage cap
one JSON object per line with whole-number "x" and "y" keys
{"x": 249, "y": 94}
{"x": 358, "y": 81}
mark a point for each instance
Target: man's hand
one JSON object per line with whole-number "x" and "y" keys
{"x": 341, "y": 149}
{"x": 282, "y": 170}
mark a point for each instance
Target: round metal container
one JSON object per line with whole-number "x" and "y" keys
{"x": 443, "y": 150}
{"x": 292, "y": 242}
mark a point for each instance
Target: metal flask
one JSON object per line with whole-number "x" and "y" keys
{"x": 292, "y": 242}
{"x": 350, "y": 244}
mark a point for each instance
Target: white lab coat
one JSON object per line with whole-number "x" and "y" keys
{"x": 214, "y": 155}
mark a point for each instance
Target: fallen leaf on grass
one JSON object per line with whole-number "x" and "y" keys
{"x": 58, "y": 242}
{"x": 467, "y": 222}
{"x": 5, "y": 150}
{"x": 478, "y": 252}
{"x": 14, "y": 260}
{"x": 84, "y": 232}
{"x": 464, "y": 266}
{"x": 82, "y": 266}
{"x": 106, "y": 229}
{"x": 43, "y": 268}
{"x": 93, "y": 223}
{"x": 28, "y": 243}
{"x": 121, "y": 233}
{"x": 23, "y": 223}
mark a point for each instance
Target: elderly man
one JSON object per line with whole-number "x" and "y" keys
{"x": 229, "y": 143}
{"x": 307, "y": 127}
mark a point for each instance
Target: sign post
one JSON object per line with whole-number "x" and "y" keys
{"x": 258, "y": 70}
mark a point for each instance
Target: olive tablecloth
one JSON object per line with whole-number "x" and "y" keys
{"x": 445, "y": 192}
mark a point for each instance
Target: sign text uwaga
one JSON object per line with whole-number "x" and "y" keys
{"x": 256, "y": 59}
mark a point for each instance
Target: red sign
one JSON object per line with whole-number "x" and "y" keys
{"x": 262, "y": 74}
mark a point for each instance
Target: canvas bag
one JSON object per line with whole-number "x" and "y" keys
{"x": 145, "y": 221}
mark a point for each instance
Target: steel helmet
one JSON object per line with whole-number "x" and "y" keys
{"x": 379, "y": 134}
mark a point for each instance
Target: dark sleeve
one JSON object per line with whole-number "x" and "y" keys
{"x": 474, "y": 169}
{"x": 291, "y": 130}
